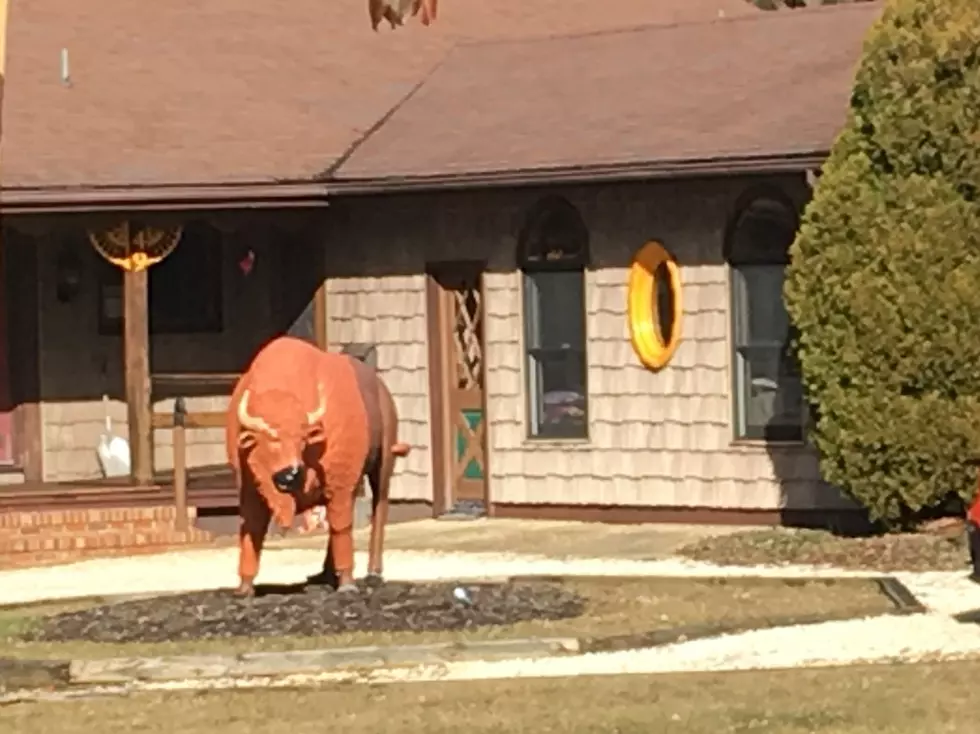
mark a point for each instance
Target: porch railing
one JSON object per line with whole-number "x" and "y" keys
{"x": 181, "y": 386}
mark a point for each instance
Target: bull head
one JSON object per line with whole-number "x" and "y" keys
{"x": 278, "y": 445}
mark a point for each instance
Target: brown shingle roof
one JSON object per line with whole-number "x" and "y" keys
{"x": 224, "y": 91}
{"x": 771, "y": 85}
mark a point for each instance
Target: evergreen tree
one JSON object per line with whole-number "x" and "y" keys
{"x": 884, "y": 283}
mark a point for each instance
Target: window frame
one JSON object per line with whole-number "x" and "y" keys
{"x": 575, "y": 263}
{"x": 736, "y": 264}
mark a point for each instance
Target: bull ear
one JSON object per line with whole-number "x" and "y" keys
{"x": 316, "y": 434}
{"x": 246, "y": 440}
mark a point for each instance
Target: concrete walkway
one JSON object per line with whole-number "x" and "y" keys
{"x": 536, "y": 537}
{"x": 933, "y": 635}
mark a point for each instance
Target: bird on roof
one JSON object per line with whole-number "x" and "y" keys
{"x": 394, "y": 11}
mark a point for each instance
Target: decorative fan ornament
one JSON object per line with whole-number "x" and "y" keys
{"x": 394, "y": 11}
{"x": 135, "y": 250}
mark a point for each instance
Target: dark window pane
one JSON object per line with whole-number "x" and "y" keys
{"x": 763, "y": 233}
{"x": 558, "y": 393}
{"x": 554, "y": 309}
{"x": 663, "y": 296}
{"x": 760, "y": 311}
{"x": 554, "y": 236}
{"x": 186, "y": 287}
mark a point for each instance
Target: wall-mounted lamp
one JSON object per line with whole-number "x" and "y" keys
{"x": 68, "y": 280}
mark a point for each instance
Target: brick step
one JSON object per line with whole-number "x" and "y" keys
{"x": 48, "y": 558}
{"x": 103, "y": 517}
{"x": 98, "y": 540}
{"x": 136, "y": 526}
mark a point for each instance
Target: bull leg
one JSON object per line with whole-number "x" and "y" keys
{"x": 380, "y": 479}
{"x": 255, "y": 516}
{"x": 340, "y": 554}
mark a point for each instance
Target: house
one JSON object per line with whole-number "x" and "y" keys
{"x": 466, "y": 205}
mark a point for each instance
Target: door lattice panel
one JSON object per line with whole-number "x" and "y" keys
{"x": 467, "y": 323}
{"x": 469, "y": 445}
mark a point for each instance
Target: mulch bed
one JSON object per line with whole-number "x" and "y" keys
{"x": 311, "y": 611}
{"x": 885, "y": 553}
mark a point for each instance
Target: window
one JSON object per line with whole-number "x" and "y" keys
{"x": 768, "y": 389}
{"x": 185, "y": 288}
{"x": 553, "y": 254}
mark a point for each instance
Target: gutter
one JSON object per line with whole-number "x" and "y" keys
{"x": 315, "y": 194}
{"x": 163, "y": 198}
{"x": 607, "y": 173}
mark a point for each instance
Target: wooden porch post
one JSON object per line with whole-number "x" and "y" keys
{"x": 136, "y": 348}
{"x": 134, "y": 250}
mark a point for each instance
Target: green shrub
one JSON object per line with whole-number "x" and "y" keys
{"x": 884, "y": 282}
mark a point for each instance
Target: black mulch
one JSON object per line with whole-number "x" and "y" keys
{"x": 312, "y": 611}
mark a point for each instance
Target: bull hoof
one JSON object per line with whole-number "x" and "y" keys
{"x": 374, "y": 580}
{"x": 348, "y": 588}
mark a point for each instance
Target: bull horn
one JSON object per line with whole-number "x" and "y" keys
{"x": 321, "y": 408}
{"x": 251, "y": 422}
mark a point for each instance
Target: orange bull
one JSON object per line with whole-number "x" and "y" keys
{"x": 304, "y": 426}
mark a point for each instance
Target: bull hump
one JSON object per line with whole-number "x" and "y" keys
{"x": 299, "y": 377}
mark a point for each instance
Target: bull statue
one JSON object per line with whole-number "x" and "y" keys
{"x": 304, "y": 427}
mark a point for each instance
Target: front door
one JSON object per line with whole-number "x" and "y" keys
{"x": 457, "y": 319}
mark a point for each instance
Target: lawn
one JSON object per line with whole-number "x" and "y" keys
{"x": 614, "y": 608}
{"x": 886, "y": 553}
{"x": 892, "y": 699}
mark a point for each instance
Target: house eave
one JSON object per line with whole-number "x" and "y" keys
{"x": 162, "y": 198}
{"x": 729, "y": 166}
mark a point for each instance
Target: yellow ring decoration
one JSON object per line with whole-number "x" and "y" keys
{"x": 642, "y": 312}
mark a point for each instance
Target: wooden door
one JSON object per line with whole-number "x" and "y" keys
{"x": 457, "y": 316}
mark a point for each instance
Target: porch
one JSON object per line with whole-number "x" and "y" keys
{"x": 92, "y": 349}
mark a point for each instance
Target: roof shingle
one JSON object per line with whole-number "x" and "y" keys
{"x": 224, "y": 91}
{"x": 774, "y": 84}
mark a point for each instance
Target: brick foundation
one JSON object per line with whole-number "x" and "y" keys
{"x": 58, "y": 536}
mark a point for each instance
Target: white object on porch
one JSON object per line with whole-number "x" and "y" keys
{"x": 113, "y": 450}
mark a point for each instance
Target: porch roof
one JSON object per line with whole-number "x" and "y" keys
{"x": 191, "y": 93}
{"x": 753, "y": 91}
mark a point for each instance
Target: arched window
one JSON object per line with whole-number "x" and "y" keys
{"x": 768, "y": 390}
{"x": 552, "y": 255}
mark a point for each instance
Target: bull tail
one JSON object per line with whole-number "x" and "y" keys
{"x": 400, "y": 449}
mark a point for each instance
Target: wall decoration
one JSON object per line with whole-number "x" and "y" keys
{"x": 654, "y": 307}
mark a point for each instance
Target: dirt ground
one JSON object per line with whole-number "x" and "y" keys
{"x": 534, "y": 537}
{"x": 887, "y": 699}
{"x": 614, "y": 607}
{"x": 886, "y": 553}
